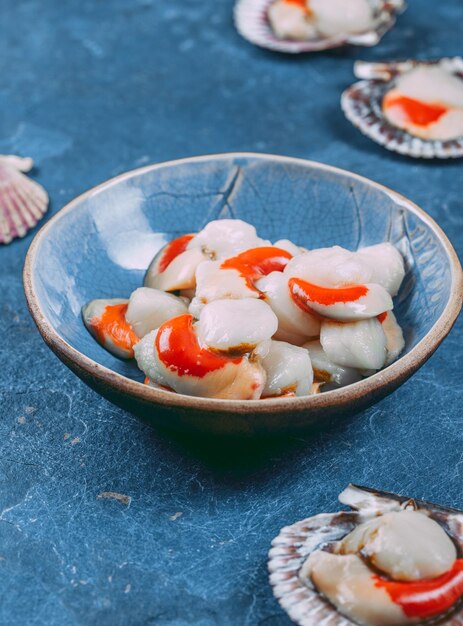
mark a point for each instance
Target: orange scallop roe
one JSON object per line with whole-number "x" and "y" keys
{"x": 303, "y": 293}
{"x": 416, "y": 112}
{"x": 172, "y": 251}
{"x": 178, "y": 348}
{"x": 257, "y": 262}
{"x": 112, "y": 325}
{"x": 426, "y": 598}
{"x": 303, "y": 4}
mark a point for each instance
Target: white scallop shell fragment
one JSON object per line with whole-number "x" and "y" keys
{"x": 23, "y": 201}
{"x": 309, "y": 551}
{"x": 297, "y": 35}
{"x": 370, "y": 106}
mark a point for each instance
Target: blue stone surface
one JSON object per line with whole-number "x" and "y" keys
{"x": 91, "y": 89}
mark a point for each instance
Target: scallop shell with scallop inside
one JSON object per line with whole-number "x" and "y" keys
{"x": 251, "y": 21}
{"x": 22, "y": 200}
{"x": 362, "y": 105}
{"x": 291, "y": 548}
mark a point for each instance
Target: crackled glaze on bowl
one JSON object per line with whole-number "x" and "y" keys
{"x": 101, "y": 244}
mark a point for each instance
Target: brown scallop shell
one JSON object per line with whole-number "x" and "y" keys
{"x": 362, "y": 102}
{"x": 290, "y": 549}
{"x": 252, "y": 23}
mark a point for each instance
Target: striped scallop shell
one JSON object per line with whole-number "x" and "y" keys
{"x": 362, "y": 105}
{"x": 252, "y": 23}
{"x": 22, "y": 201}
{"x": 291, "y": 548}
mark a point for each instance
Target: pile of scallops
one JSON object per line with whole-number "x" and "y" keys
{"x": 226, "y": 314}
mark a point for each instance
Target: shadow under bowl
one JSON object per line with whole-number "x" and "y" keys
{"x": 101, "y": 243}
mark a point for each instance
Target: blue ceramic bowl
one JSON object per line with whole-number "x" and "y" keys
{"x": 100, "y": 245}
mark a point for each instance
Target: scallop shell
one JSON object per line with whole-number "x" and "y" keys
{"x": 362, "y": 101}
{"x": 295, "y": 543}
{"x": 22, "y": 201}
{"x": 252, "y": 23}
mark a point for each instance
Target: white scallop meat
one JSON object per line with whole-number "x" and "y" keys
{"x": 221, "y": 239}
{"x": 291, "y": 21}
{"x": 236, "y": 325}
{"x": 329, "y": 267}
{"x": 149, "y": 308}
{"x": 244, "y": 380}
{"x": 338, "y": 17}
{"x": 288, "y": 370}
{"x": 294, "y": 324}
{"x": 366, "y": 301}
{"x": 328, "y": 372}
{"x": 405, "y": 545}
{"x": 93, "y": 311}
{"x": 386, "y": 265}
{"x": 179, "y": 274}
{"x": 337, "y": 267}
{"x": 360, "y": 345}
{"x": 347, "y": 582}
{"x": 216, "y": 283}
{"x": 395, "y": 341}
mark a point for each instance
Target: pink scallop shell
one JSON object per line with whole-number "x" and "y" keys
{"x": 361, "y": 104}
{"x": 291, "y": 548}
{"x": 252, "y": 23}
{"x": 22, "y": 201}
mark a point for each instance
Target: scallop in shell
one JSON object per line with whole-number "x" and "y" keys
{"x": 22, "y": 200}
{"x": 252, "y": 22}
{"x": 297, "y": 547}
{"x": 411, "y": 107}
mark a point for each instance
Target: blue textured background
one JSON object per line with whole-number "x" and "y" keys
{"x": 90, "y": 89}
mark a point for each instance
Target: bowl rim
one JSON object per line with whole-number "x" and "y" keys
{"x": 397, "y": 371}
